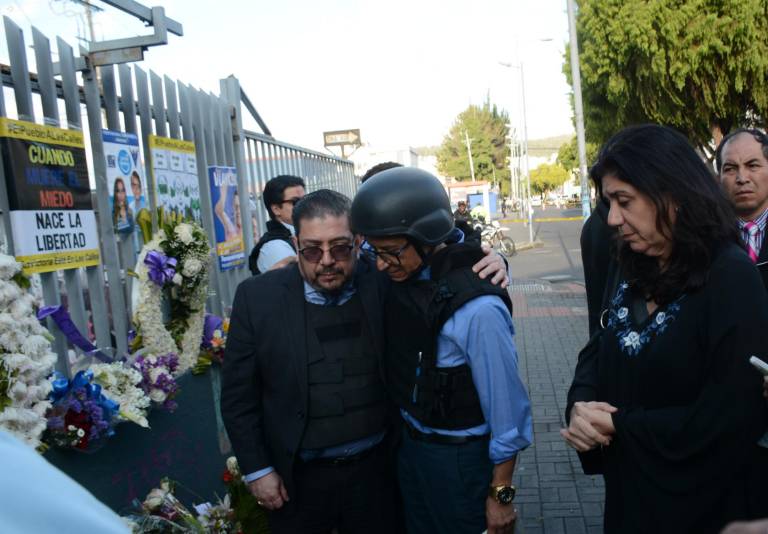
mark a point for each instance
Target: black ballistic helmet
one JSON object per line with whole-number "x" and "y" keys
{"x": 403, "y": 201}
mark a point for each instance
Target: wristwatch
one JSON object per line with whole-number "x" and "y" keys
{"x": 503, "y": 494}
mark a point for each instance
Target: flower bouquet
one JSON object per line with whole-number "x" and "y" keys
{"x": 81, "y": 417}
{"x": 163, "y": 512}
{"x": 157, "y": 378}
{"x": 123, "y": 384}
{"x": 26, "y": 359}
{"x": 215, "y": 331}
{"x": 251, "y": 517}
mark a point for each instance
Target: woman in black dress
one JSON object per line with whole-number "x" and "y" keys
{"x": 664, "y": 402}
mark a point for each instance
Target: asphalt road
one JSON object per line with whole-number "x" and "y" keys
{"x": 559, "y": 260}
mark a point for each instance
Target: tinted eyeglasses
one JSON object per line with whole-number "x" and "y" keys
{"x": 391, "y": 257}
{"x": 293, "y": 201}
{"x": 337, "y": 252}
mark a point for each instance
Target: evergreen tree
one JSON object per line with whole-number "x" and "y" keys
{"x": 487, "y": 128}
{"x": 700, "y": 66}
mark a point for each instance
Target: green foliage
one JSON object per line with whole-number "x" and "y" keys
{"x": 568, "y": 155}
{"x": 488, "y": 129}
{"x": 547, "y": 177}
{"x": 699, "y": 66}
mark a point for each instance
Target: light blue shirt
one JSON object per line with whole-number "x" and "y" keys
{"x": 317, "y": 297}
{"x": 36, "y": 497}
{"x": 273, "y": 251}
{"x": 481, "y": 334}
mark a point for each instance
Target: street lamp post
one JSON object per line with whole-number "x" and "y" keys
{"x": 586, "y": 208}
{"x": 525, "y": 148}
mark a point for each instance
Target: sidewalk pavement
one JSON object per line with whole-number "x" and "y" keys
{"x": 553, "y": 494}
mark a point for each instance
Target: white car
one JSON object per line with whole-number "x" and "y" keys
{"x": 535, "y": 201}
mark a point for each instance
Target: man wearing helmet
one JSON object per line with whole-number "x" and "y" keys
{"x": 450, "y": 360}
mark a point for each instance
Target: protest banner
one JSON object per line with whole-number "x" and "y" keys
{"x": 49, "y": 196}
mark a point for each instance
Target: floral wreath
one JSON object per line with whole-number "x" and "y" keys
{"x": 26, "y": 358}
{"x": 172, "y": 267}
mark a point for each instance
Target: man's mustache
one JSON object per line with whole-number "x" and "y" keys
{"x": 330, "y": 270}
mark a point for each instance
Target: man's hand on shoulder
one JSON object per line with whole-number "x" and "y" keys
{"x": 492, "y": 265}
{"x": 269, "y": 491}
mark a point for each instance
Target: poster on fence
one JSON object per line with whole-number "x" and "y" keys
{"x": 49, "y": 196}
{"x": 230, "y": 248}
{"x": 174, "y": 173}
{"x": 124, "y": 179}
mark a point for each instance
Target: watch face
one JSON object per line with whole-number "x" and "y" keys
{"x": 505, "y": 495}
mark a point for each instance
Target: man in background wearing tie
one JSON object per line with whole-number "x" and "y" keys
{"x": 742, "y": 164}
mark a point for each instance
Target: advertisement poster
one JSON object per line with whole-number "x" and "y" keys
{"x": 51, "y": 212}
{"x": 230, "y": 248}
{"x": 174, "y": 171}
{"x": 127, "y": 193}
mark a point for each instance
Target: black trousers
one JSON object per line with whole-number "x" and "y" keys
{"x": 355, "y": 498}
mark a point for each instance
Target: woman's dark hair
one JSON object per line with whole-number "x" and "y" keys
{"x": 660, "y": 163}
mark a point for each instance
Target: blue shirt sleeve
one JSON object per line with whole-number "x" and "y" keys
{"x": 481, "y": 333}
{"x": 272, "y": 252}
{"x": 256, "y": 475}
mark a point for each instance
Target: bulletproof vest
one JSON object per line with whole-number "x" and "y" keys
{"x": 275, "y": 230}
{"x": 347, "y": 400}
{"x": 438, "y": 397}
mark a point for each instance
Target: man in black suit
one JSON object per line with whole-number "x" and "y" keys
{"x": 596, "y": 244}
{"x": 303, "y": 399}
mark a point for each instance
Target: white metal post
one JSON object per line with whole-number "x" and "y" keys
{"x": 578, "y": 107}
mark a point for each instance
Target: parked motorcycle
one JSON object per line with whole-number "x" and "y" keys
{"x": 493, "y": 235}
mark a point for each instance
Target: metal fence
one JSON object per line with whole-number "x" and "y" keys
{"x": 134, "y": 101}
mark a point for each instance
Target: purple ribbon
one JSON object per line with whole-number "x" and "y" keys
{"x": 161, "y": 267}
{"x": 211, "y": 324}
{"x": 63, "y": 320}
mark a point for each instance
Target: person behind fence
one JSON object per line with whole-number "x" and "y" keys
{"x": 275, "y": 248}
{"x": 450, "y": 360}
{"x": 664, "y": 403}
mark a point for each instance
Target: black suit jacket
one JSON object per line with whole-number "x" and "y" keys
{"x": 264, "y": 390}
{"x": 596, "y": 258}
{"x": 762, "y": 262}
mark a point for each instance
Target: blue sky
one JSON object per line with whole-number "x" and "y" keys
{"x": 399, "y": 70}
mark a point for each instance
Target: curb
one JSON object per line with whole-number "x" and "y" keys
{"x": 526, "y": 245}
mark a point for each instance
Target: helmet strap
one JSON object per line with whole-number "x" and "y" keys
{"x": 425, "y": 257}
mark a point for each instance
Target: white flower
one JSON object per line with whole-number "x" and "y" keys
{"x": 631, "y": 340}
{"x": 80, "y": 432}
{"x": 158, "y": 395}
{"x": 8, "y": 267}
{"x": 184, "y": 232}
{"x": 622, "y": 313}
{"x": 177, "y": 279}
{"x": 191, "y": 267}
{"x": 156, "y": 372}
{"x": 232, "y": 466}
{"x": 660, "y": 318}
{"x": 155, "y": 499}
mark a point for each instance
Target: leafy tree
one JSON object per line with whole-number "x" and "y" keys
{"x": 700, "y": 66}
{"x": 488, "y": 129}
{"x": 568, "y": 155}
{"x": 547, "y": 177}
